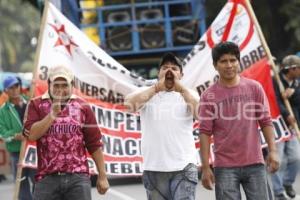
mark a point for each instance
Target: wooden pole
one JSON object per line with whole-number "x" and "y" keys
{"x": 36, "y": 61}
{"x": 38, "y": 50}
{"x": 271, "y": 61}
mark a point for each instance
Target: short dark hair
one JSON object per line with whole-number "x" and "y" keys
{"x": 170, "y": 57}
{"x": 225, "y": 48}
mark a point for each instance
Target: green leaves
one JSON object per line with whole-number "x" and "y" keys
{"x": 291, "y": 11}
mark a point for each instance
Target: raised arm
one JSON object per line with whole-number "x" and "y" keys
{"x": 191, "y": 101}
{"x": 137, "y": 100}
{"x": 39, "y": 128}
{"x": 34, "y": 127}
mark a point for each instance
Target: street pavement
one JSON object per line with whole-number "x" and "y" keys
{"x": 123, "y": 189}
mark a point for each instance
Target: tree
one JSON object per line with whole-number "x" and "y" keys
{"x": 290, "y": 10}
{"x": 20, "y": 23}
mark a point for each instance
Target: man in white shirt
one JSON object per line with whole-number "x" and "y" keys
{"x": 167, "y": 110}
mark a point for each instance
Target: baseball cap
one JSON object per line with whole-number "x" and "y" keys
{"x": 170, "y": 57}
{"x": 60, "y": 71}
{"x": 10, "y": 81}
{"x": 290, "y": 61}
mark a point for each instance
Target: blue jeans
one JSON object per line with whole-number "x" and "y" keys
{"x": 253, "y": 179}
{"x": 25, "y": 192}
{"x": 171, "y": 185}
{"x": 63, "y": 187}
{"x": 289, "y": 155}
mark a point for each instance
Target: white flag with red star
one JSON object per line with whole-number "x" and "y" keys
{"x": 62, "y": 43}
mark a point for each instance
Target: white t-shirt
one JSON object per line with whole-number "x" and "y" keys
{"x": 167, "y": 133}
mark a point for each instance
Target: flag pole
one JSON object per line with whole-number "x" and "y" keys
{"x": 271, "y": 61}
{"x": 38, "y": 49}
{"x": 36, "y": 61}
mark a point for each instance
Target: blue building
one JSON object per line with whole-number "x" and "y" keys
{"x": 138, "y": 32}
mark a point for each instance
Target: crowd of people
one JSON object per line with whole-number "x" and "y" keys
{"x": 64, "y": 127}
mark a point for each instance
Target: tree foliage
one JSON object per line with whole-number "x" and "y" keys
{"x": 290, "y": 10}
{"x": 20, "y": 23}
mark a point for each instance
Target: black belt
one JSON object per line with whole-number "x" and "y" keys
{"x": 60, "y": 173}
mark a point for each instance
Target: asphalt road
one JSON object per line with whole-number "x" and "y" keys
{"x": 122, "y": 189}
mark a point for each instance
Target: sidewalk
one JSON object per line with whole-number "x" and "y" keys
{"x": 7, "y": 188}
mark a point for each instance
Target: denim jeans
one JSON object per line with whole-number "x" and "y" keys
{"x": 289, "y": 155}
{"x": 63, "y": 187}
{"x": 27, "y": 183}
{"x": 253, "y": 179}
{"x": 178, "y": 185}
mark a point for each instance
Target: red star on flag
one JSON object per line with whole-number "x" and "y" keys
{"x": 63, "y": 38}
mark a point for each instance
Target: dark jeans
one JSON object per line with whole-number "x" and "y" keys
{"x": 253, "y": 179}
{"x": 63, "y": 187}
{"x": 176, "y": 185}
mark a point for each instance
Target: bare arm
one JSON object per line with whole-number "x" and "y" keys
{"x": 39, "y": 128}
{"x": 272, "y": 160}
{"x": 207, "y": 176}
{"x": 191, "y": 101}
{"x": 102, "y": 182}
{"x": 135, "y": 101}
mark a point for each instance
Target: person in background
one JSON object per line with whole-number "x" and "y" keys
{"x": 11, "y": 126}
{"x": 3, "y": 98}
{"x": 289, "y": 151}
{"x": 64, "y": 127}
{"x": 230, "y": 111}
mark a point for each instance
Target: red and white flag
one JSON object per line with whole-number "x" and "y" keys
{"x": 104, "y": 82}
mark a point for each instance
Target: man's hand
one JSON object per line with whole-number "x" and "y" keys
{"x": 288, "y": 93}
{"x": 19, "y": 137}
{"x": 56, "y": 104}
{"x": 272, "y": 161}
{"x": 291, "y": 120}
{"x": 169, "y": 82}
{"x": 160, "y": 85}
{"x": 208, "y": 178}
{"x": 178, "y": 87}
{"x": 102, "y": 184}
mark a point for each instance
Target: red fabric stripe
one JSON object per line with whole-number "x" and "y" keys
{"x": 230, "y": 22}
